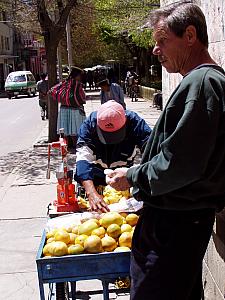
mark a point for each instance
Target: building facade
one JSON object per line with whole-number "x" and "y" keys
{"x": 30, "y": 53}
{"x": 7, "y": 57}
{"x": 214, "y": 263}
{"x": 19, "y": 51}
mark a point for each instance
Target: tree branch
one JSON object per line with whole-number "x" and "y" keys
{"x": 65, "y": 12}
{"x": 43, "y": 16}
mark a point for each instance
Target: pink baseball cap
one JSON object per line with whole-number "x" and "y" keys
{"x": 111, "y": 120}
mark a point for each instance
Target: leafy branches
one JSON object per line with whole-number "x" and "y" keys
{"x": 120, "y": 16}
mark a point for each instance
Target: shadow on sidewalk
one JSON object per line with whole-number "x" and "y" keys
{"x": 86, "y": 295}
{"x": 31, "y": 166}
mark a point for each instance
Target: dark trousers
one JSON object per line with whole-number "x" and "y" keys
{"x": 167, "y": 253}
{"x": 44, "y": 109}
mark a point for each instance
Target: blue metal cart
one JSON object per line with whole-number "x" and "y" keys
{"x": 71, "y": 268}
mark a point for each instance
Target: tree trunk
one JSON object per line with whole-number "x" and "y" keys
{"x": 51, "y": 52}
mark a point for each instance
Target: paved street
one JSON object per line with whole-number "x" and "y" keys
{"x": 25, "y": 194}
{"x": 20, "y": 124}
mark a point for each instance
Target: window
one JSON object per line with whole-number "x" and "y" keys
{"x": 19, "y": 78}
{"x": 30, "y": 77}
{"x": 7, "y": 44}
{"x": 4, "y": 16}
{"x": 2, "y": 42}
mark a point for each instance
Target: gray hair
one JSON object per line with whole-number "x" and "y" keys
{"x": 178, "y": 17}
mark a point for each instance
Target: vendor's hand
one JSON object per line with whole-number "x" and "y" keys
{"x": 117, "y": 179}
{"x": 97, "y": 203}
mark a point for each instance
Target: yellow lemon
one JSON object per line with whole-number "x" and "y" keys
{"x": 63, "y": 228}
{"x": 112, "y": 199}
{"x": 93, "y": 244}
{"x": 108, "y": 243}
{"x": 58, "y": 249}
{"x": 106, "y": 201}
{"x": 87, "y": 227}
{"x": 132, "y": 219}
{"x": 126, "y": 194}
{"x": 121, "y": 249}
{"x": 62, "y": 236}
{"x": 93, "y": 220}
{"x": 99, "y": 232}
{"x": 50, "y": 240}
{"x": 111, "y": 218}
{"x": 125, "y": 239}
{"x": 72, "y": 237}
{"x": 123, "y": 214}
{"x": 75, "y": 249}
{"x": 75, "y": 229}
{"x": 113, "y": 230}
{"x": 80, "y": 239}
{"x": 126, "y": 227}
{"x": 69, "y": 229}
{"x": 51, "y": 233}
{"x": 46, "y": 250}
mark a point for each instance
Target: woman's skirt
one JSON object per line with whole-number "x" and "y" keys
{"x": 70, "y": 119}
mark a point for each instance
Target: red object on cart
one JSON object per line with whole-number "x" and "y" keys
{"x": 66, "y": 196}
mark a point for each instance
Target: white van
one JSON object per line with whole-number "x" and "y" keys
{"x": 20, "y": 83}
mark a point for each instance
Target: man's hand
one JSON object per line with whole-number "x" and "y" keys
{"x": 117, "y": 179}
{"x": 97, "y": 203}
{"x": 95, "y": 200}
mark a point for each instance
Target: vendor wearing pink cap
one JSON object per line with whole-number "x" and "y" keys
{"x": 108, "y": 139}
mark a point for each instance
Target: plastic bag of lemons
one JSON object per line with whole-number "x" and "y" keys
{"x": 83, "y": 203}
{"x": 110, "y": 195}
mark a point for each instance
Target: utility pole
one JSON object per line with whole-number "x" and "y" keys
{"x": 69, "y": 44}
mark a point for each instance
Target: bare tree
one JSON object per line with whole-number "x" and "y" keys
{"x": 53, "y": 29}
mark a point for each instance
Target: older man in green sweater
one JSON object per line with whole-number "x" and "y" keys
{"x": 181, "y": 178}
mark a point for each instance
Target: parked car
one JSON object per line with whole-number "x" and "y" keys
{"x": 20, "y": 83}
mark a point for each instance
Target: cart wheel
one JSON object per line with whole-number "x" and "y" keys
{"x": 62, "y": 291}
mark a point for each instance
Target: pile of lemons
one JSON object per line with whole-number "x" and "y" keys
{"x": 113, "y": 232}
{"x": 110, "y": 195}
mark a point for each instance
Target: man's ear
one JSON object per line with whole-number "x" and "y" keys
{"x": 191, "y": 34}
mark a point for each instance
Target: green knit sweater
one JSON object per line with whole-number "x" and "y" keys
{"x": 183, "y": 166}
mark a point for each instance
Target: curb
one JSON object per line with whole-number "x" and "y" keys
{"x": 42, "y": 139}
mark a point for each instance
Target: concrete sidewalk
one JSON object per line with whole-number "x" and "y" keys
{"x": 24, "y": 200}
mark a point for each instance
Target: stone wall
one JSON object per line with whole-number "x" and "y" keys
{"x": 214, "y": 263}
{"x": 147, "y": 92}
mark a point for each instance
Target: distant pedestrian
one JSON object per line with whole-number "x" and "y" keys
{"x": 42, "y": 88}
{"x": 111, "y": 91}
{"x": 90, "y": 79}
{"x": 71, "y": 117}
{"x": 111, "y": 76}
{"x": 96, "y": 78}
{"x": 84, "y": 79}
